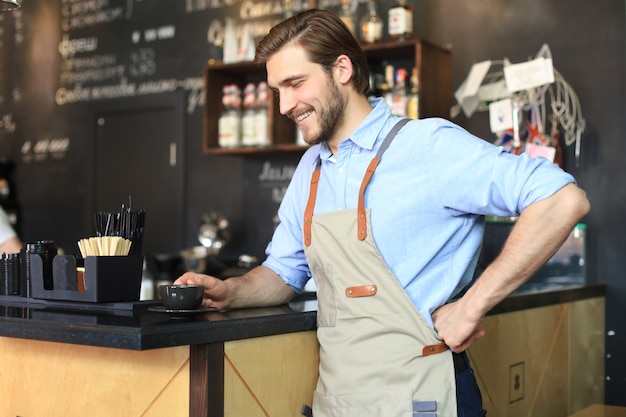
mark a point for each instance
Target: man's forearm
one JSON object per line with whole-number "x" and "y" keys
{"x": 258, "y": 287}
{"x": 538, "y": 233}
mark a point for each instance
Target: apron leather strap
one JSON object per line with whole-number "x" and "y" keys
{"x": 308, "y": 212}
{"x": 361, "y": 219}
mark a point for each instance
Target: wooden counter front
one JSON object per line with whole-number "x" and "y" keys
{"x": 543, "y": 361}
{"x": 599, "y": 410}
{"x": 543, "y": 355}
{"x": 265, "y": 376}
{"x": 57, "y": 379}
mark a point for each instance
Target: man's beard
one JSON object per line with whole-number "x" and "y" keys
{"x": 328, "y": 117}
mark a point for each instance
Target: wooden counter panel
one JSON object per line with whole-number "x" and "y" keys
{"x": 263, "y": 362}
{"x": 56, "y": 379}
{"x": 601, "y": 410}
{"x": 270, "y": 376}
{"x": 587, "y": 363}
{"x": 546, "y": 361}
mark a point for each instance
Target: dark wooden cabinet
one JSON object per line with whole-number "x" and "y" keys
{"x": 433, "y": 64}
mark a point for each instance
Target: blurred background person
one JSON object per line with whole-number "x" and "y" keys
{"x": 9, "y": 241}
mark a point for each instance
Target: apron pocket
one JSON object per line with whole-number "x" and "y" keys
{"x": 326, "y": 296}
{"x": 393, "y": 403}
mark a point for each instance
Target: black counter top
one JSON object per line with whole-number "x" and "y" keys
{"x": 541, "y": 296}
{"x": 139, "y": 328}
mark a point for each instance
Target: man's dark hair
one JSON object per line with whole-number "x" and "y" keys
{"x": 324, "y": 37}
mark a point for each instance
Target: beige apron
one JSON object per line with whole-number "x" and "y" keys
{"x": 378, "y": 356}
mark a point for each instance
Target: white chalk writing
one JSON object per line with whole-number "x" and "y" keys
{"x": 70, "y": 47}
{"x": 44, "y": 149}
{"x": 7, "y": 123}
{"x": 78, "y": 93}
{"x": 272, "y": 173}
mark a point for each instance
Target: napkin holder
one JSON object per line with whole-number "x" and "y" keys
{"x": 106, "y": 278}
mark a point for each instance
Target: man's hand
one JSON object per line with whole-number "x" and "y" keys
{"x": 259, "y": 287}
{"x": 455, "y": 328}
{"x": 215, "y": 290}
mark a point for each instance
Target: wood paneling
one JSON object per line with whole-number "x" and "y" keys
{"x": 270, "y": 376}
{"x": 55, "y": 379}
{"x": 599, "y": 410}
{"x": 546, "y": 361}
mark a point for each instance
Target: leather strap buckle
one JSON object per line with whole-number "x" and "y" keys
{"x": 433, "y": 349}
{"x": 361, "y": 291}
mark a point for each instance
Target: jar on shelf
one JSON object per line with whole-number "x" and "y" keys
{"x": 229, "y": 124}
{"x": 261, "y": 116}
{"x": 248, "y": 118}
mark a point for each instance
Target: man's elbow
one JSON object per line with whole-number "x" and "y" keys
{"x": 575, "y": 202}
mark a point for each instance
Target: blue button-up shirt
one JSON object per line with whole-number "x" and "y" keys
{"x": 428, "y": 198}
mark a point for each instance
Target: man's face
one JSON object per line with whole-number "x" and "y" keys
{"x": 308, "y": 95}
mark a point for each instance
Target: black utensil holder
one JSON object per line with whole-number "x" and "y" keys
{"x": 106, "y": 278}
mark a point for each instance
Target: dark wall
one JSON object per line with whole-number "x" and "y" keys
{"x": 588, "y": 44}
{"x": 62, "y": 59}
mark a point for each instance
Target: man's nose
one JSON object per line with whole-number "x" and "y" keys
{"x": 286, "y": 102}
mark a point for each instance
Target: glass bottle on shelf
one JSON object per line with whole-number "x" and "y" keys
{"x": 376, "y": 86}
{"x": 288, "y": 9}
{"x": 346, "y": 16}
{"x": 262, "y": 120}
{"x": 229, "y": 121}
{"x": 413, "y": 106}
{"x": 371, "y": 25}
{"x": 385, "y": 93}
{"x": 388, "y": 84}
{"x": 399, "y": 94}
{"x": 400, "y": 25}
{"x": 230, "y": 42}
{"x": 248, "y": 118}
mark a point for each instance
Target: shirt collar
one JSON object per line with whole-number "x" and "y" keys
{"x": 367, "y": 132}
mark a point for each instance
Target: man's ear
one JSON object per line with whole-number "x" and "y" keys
{"x": 343, "y": 69}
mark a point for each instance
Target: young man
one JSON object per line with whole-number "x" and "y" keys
{"x": 390, "y": 243}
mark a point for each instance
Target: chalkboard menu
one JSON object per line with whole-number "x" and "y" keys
{"x": 68, "y": 64}
{"x": 74, "y": 52}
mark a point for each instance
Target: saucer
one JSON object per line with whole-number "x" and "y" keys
{"x": 180, "y": 313}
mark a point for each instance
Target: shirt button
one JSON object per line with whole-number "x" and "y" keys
{"x": 341, "y": 170}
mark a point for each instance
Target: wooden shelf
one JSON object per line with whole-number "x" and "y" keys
{"x": 435, "y": 80}
{"x": 257, "y": 151}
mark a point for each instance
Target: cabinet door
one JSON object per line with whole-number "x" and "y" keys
{"x": 139, "y": 154}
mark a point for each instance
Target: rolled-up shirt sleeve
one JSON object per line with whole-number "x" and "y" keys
{"x": 285, "y": 252}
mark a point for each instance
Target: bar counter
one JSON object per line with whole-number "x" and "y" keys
{"x": 134, "y": 326}
{"x": 212, "y": 340}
